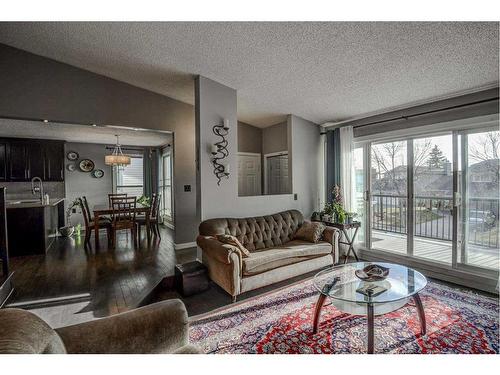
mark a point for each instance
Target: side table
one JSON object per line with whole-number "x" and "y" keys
{"x": 348, "y": 240}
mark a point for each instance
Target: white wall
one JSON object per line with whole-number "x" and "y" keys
{"x": 215, "y": 102}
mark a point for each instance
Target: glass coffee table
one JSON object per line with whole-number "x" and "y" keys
{"x": 357, "y": 297}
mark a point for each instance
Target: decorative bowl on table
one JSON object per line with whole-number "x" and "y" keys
{"x": 373, "y": 272}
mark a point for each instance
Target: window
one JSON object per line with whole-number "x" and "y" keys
{"x": 166, "y": 187}
{"x": 130, "y": 179}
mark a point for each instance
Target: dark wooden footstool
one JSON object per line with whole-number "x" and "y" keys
{"x": 191, "y": 278}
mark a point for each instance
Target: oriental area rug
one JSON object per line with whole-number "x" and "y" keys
{"x": 280, "y": 322}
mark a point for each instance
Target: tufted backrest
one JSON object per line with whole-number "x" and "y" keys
{"x": 22, "y": 332}
{"x": 256, "y": 233}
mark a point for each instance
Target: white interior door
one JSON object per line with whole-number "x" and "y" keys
{"x": 249, "y": 174}
{"x": 277, "y": 176}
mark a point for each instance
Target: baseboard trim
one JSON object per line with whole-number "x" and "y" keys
{"x": 169, "y": 225}
{"x": 186, "y": 245}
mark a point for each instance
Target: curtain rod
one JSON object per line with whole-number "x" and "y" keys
{"x": 424, "y": 113}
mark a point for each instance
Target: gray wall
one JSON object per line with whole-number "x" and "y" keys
{"x": 215, "y": 102}
{"x": 79, "y": 183}
{"x": 34, "y": 87}
{"x": 249, "y": 138}
{"x": 275, "y": 138}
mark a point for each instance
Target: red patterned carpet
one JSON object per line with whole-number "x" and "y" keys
{"x": 458, "y": 321}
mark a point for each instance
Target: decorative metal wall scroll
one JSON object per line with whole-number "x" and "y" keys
{"x": 220, "y": 152}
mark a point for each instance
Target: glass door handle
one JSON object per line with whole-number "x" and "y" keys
{"x": 457, "y": 199}
{"x": 366, "y": 195}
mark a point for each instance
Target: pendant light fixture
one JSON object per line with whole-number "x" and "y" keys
{"x": 117, "y": 159}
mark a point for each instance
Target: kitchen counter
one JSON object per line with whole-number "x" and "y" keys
{"x": 32, "y": 226}
{"x": 31, "y": 203}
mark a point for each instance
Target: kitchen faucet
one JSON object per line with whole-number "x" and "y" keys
{"x": 37, "y": 189}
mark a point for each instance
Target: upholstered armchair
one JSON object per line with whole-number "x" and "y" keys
{"x": 157, "y": 328}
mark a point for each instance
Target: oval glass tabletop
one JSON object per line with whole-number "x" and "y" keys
{"x": 340, "y": 282}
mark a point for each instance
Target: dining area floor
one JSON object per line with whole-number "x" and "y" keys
{"x": 73, "y": 283}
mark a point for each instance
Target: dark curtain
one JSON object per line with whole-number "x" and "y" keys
{"x": 332, "y": 161}
{"x": 151, "y": 169}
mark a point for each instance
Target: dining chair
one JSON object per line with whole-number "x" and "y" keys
{"x": 154, "y": 216}
{"x": 104, "y": 223}
{"x": 116, "y": 195}
{"x": 123, "y": 217}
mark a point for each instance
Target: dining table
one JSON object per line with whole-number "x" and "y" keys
{"x": 104, "y": 209}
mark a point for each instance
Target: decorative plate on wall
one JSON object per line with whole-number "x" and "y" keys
{"x": 71, "y": 167}
{"x": 98, "y": 173}
{"x": 72, "y": 155}
{"x": 86, "y": 165}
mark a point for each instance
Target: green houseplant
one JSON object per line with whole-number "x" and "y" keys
{"x": 69, "y": 229}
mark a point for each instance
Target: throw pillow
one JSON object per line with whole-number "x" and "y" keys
{"x": 310, "y": 231}
{"x": 231, "y": 240}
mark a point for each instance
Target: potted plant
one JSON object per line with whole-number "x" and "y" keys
{"x": 316, "y": 216}
{"x": 69, "y": 229}
{"x": 340, "y": 214}
{"x": 351, "y": 216}
{"x": 145, "y": 201}
{"x": 327, "y": 213}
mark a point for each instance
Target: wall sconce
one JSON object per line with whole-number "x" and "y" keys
{"x": 219, "y": 151}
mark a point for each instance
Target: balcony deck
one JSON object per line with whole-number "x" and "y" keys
{"x": 435, "y": 250}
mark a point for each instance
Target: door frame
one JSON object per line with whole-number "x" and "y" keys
{"x": 267, "y": 156}
{"x": 462, "y": 202}
{"x": 458, "y": 242}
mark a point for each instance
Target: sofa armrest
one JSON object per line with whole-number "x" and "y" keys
{"x": 157, "y": 328}
{"x": 332, "y": 235}
{"x": 218, "y": 250}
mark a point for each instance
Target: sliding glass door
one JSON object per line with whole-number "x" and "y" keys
{"x": 479, "y": 208}
{"x": 432, "y": 175}
{"x": 388, "y": 198}
{"x": 434, "y": 198}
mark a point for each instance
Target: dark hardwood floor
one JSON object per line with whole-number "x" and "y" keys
{"x": 70, "y": 284}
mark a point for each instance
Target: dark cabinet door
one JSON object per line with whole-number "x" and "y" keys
{"x": 54, "y": 161}
{"x": 36, "y": 160}
{"x": 3, "y": 160}
{"x": 17, "y": 166}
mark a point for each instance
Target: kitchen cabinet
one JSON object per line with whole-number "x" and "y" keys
{"x": 36, "y": 160}
{"x": 23, "y": 159}
{"x": 17, "y": 162}
{"x": 54, "y": 161}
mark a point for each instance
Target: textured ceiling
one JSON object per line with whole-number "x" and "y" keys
{"x": 81, "y": 133}
{"x": 319, "y": 71}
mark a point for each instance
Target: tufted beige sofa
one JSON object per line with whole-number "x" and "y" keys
{"x": 274, "y": 253}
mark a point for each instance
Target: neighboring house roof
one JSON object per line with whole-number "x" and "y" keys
{"x": 432, "y": 181}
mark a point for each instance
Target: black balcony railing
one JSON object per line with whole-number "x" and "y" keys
{"x": 433, "y": 218}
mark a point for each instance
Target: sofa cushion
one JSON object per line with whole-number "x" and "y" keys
{"x": 310, "y": 232}
{"x": 232, "y": 240}
{"x": 289, "y": 253}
